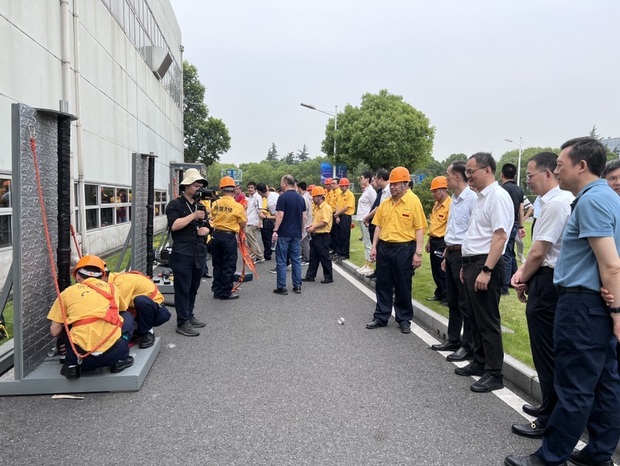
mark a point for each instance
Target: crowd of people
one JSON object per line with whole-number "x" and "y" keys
{"x": 568, "y": 281}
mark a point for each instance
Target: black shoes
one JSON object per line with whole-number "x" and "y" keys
{"x": 70, "y": 372}
{"x": 446, "y": 346}
{"x": 404, "y": 328}
{"x": 374, "y": 324}
{"x": 581, "y": 458}
{"x": 121, "y": 365}
{"x": 473, "y": 368}
{"x": 460, "y": 354}
{"x": 531, "y": 409}
{"x": 230, "y": 296}
{"x": 147, "y": 340}
{"x": 307, "y": 279}
{"x": 297, "y": 289}
{"x": 281, "y": 291}
{"x": 487, "y": 383}
{"x": 531, "y": 430}
{"x": 532, "y": 460}
{"x": 329, "y": 280}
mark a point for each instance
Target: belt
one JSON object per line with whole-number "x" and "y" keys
{"x": 576, "y": 289}
{"x": 544, "y": 270}
{"x": 226, "y": 232}
{"x": 453, "y": 247}
{"x": 318, "y": 234}
{"x": 476, "y": 258}
{"x": 436, "y": 237}
{"x": 395, "y": 245}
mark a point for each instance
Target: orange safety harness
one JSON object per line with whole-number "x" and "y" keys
{"x": 132, "y": 310}
{"x": 247, "y": 260}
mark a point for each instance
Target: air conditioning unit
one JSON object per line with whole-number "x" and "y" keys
{"x": 158, "y": 59}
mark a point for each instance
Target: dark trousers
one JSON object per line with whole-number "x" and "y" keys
{"x": 484, "y": 306}
{"x": 187, "y": 277}
{"x": 266, "y": 234}
{"x": 319, "y": 253}
{"x": 457, "y": 304}
{"x": 119, "y": 351}
{"x": 149, "y": 314}
{"x": 224, "y": 260}
{"x": 510, "y": 258}
{"x": 334, "y": 236}
{"x": 394, "y": 277}
{"x": 586, "y": 380}
{"x": 437, "y": 246}
{"x": 344, "y": 236}
{"x": 540, "y": 312}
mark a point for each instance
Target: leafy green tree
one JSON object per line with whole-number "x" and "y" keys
{"x": 384, "y": 131}
{"x": 453, "y": 158}
{"x": 206, "y": 138}
{"x": 272, "y": 153}
{"x": 302, "y": 155}
{"x": 423, "y": 191}
{"x": 512, "y": 156}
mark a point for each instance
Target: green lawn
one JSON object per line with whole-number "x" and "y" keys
{"x": 516, "y": 344}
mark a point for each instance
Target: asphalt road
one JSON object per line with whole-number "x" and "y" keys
{"x": 275, "y": 380}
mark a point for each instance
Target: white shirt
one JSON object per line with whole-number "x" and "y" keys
{"x": 272, "y": 200}
{"x": 459, "y": 216}
{"x": 255, "y": 202}
{"x": 308, "y": 217}
{"x": 364, "y": 203}
{"x": 493, "y": 211}
{"x": 552, "y": 218}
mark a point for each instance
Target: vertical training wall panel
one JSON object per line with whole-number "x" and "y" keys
{"x": 34, "y": 132}
{"x": 140, "y": 212}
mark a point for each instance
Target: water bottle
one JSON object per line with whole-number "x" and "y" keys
{"x": 273, "y": 244}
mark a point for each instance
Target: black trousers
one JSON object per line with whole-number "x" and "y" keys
{"x": 224, "y": 257}
{"x": 266, "y": 234}
{"x": 319, "y": 253}
{"x": 437, "y": 245}
{"x": 334, "y": 236}
{"x": 394, "y": 277}
{"x": 344, "y": 236}
{"x": 457, "y": 304}
{"x": 484, "y": 306}
{"x": 540, "y": 312}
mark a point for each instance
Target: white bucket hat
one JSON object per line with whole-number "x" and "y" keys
{"x": 191, "y": 176}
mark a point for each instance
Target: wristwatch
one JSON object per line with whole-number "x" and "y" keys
{"x": 614, "y": 310}
{"x": 486, "y": 269}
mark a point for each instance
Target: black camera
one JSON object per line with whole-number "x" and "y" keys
{"x": 204, "y": 194}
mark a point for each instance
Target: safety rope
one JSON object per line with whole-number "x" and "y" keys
{"x": 247, "y": 260}
{"x": 77, "y": 247}
{"x": 50, "y": 251}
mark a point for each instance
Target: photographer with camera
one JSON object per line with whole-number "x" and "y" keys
{"x": 187, "y": 221}
{"x": 228, "y": 219}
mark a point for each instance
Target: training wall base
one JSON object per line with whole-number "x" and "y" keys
{"x": 46, "y": 378}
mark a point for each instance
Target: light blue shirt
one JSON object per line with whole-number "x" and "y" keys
{"x": 596, "y": 215}
{"x": 458, "y": 218}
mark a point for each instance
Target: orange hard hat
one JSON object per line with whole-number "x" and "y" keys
{"x": 318, "y": 191}
{"x": 311, "y": 187}
{"x": 328, "y": 180}
{"x": 439, "y": 182}
{"x": 227, "y": 182}
{"x": 399, "y": 175}
{"x": 344, "y": 182}
{"x": 89, "y": 261}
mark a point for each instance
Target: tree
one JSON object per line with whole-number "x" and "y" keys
{"x": 205, "y": 137}
{"x": 512, "y": 156}
{"x": 302, "y": 155}
{"x": 272, "y": 153}
{"x": 289, "y": 158}
{"x": 383, "y": 132}
{"x": 594, "y": 134}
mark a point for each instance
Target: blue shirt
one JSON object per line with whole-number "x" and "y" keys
{"x": 293, "y": 206}
{"x": 596, "y": 214}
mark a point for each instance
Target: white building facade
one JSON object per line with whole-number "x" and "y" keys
{"x": 117, "y": 66}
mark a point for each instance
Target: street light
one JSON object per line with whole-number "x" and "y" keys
{"x": 520, "y": 144}
{"x": 335, "y": 115}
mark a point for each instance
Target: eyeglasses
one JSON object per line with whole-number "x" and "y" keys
{"x": 528, "y": 176}
{"x": 470, "y": 172}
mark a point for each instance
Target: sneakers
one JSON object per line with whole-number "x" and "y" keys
{"x": 197, "y": 323}
{"x": 365, "y": 270}
{"x": 305, "y": 262}
{"x": 259, "y": 260}
{"x": 281, "y": 291}
{"x": 288, "y": 267}
{"x": 273, "y": 270}
{"x": 187, "y": 330}
{"x": 297, "y": 289}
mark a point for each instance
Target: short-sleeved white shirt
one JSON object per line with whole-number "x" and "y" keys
{"x": 553, "y": 215}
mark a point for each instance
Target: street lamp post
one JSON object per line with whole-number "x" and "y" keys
{"x": 335, "y": 115}
{"x": 520, "y": 144}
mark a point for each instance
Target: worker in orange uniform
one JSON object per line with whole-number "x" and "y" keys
{"x": 435, "y": 245}
{"x": 345, "y": 208}
{"x": 228, "y": 218}
{"x": 91, "y": 310}
{"x": 322, "y": 219}
{"x": 397, "y": 248}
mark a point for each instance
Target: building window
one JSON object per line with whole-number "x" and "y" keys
{"x": 161, "y": 200}
{"x": 106, "y": 205}
{"x": 6, "y": 211}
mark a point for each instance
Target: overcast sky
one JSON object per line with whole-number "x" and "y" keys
{"x": 482, "y": 71}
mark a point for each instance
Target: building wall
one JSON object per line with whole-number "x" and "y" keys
{"x": 123, "y": 107}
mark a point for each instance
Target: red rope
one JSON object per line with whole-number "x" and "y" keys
{"x": 74, "y": 236}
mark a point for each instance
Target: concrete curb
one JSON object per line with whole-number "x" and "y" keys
{"x": 517, "y": 373}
